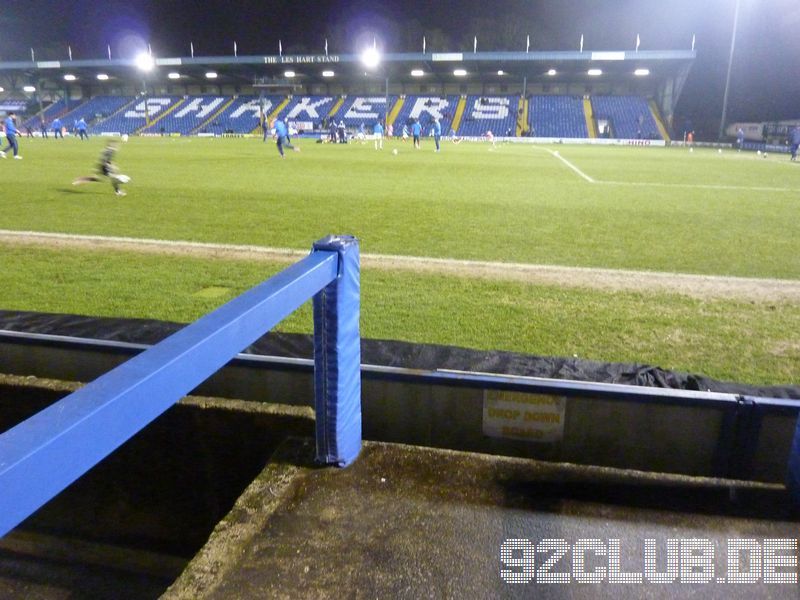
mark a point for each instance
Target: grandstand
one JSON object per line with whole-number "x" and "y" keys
{"x": 424, "y": 108}
{"x": 97, "y": 109}
{"x": 497, "y": 114}
{"x": 525, "y": 98}
{"x": 55, "y": 110}
{"x": 307, "y": 112}
{"x": 628, "y": 116}
{"x": 558, "y": 116}
{"x": 186, "y": 116}
{"x": 240, "y": 115}
{"x": 549, "y": 116}
{"x": 140, "y": 114}
{"x": 355, "y": 110}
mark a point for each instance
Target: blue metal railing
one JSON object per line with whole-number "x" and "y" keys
{"x": 44, "y": 454}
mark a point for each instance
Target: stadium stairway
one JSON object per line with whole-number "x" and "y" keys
{"x": 659, "y": 121}
{"x": 460, "y": 107}
{"x": 591, "y": 125}
{"x": 357, "y": 109}
{"x": 335, "y": 108}
{"x": 398, "y": 106}
{"x": 163, "y": 114}
{"x": 522, "y": 121}
{"x": 216, "y": 114}
{"x": 239, "y": 116}
{"x": 497, "y": 114}
{"x": 425, "y": 107}
{"x": 631, "y": 116}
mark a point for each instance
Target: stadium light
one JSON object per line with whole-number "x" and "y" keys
{"x": 174, "y": 75}
{"x": 371, "y": 57}
{"x": 552, "y": 72}
{"x": 102, "y": 77}
{"x": 69, "y": 77}
{"x": 2, "y": 89}
{"x": 327, "y": 73}
{"x": 594, "y": 72}
{"x": 289, "y": 74}
{"x": 211, "y": 75}
{"x": 145, "y": 62}
{"x": 29, "y": 89}
{"x": 501, "y": 72}
{"x": 459, "y": 72}
{"x": 417, "y": 73}
{"x": 642, "y": 72}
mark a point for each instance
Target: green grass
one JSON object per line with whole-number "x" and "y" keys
{"x": 515, "y": 204}
{"x": 518, "y": 204}
{"x": 745, "y": 341}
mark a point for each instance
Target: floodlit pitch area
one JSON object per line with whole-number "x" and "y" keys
{"x": 474, "y": 218}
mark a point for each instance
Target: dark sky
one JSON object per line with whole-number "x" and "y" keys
{"x": 765, "y": 80}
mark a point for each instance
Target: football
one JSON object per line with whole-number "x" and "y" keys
{"x": 394, "y": 151}
{"x": 124, "y": 137}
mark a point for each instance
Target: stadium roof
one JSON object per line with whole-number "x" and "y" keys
{"x": 570, "y": 66}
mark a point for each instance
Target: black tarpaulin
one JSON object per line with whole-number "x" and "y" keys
{"x": 399, "y": 354}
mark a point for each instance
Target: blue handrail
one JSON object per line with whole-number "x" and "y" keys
{"x": 44, "y": 454}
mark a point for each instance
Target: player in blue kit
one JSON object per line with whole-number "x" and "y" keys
{"x": 57, "y": 129}
{"x": 81, "y": 128}
{"x": 416, "y": 130}
{"x": 11, "y": 136}
{"x": 794, "y": 141}
{"x": 377, "y": 135}
{"x": 281, "y": 137}
{"x": 436, "y": 130}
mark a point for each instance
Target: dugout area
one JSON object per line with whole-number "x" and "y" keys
{"x": 220, "y": 498}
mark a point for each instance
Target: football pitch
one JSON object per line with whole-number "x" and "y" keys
{"x": 688, "y": 261}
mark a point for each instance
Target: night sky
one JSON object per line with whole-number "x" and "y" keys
{"x": 765, "y": 80}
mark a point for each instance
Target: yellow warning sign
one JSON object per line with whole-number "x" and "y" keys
{"x": 523, "y": 416}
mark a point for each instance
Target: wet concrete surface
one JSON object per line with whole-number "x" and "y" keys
{"x": 408, "y": 522}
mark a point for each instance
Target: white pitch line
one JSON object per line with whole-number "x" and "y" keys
{"x": 570, "y": 165}
{"x": 700, "y": 186}
{"x": 106, "y": 239}
{"x": 702, "y": 286}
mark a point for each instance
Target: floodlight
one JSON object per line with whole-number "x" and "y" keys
{"x": 459, "y": 72}
{"x": 211, "y": 75}
{"x": 551, "y": 72}
{"x": 145, "y": 62}
{"x": 289, "y": 74}
{"x": 594, "y": 72}
{"x": 501, "y": 72}
{"x": 102, "y": 77}
{"x": 174, "y": 75}
{"x": 29, "y": 89}
{"x": 2, "y": 89}
{"x": 69, "y": 77}
{"x": 417, "y": 73}
{"x": 642, "y": 72}
{"x": 371, "y": 57}
{"x": 327, "y": 73}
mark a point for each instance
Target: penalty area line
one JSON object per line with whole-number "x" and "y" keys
{"x": 570, "y": 165}
{"x": 694, "y": 186}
